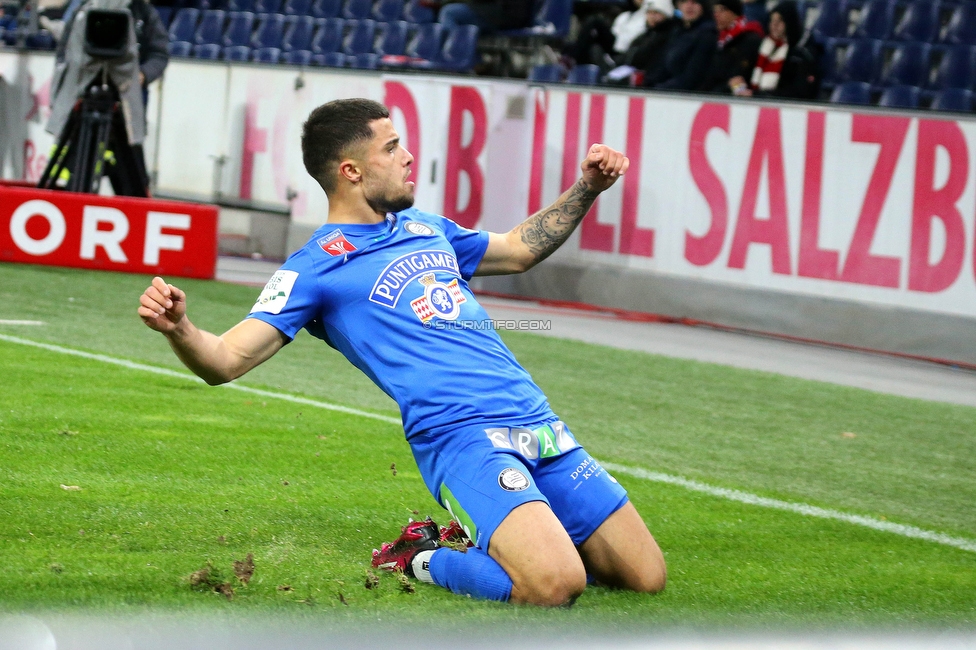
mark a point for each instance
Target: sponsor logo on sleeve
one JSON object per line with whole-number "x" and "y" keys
{"x": 275, "y": 295}
{"x": 417, "y": 228}
{"x": 512, "y": 480}
{"x": 335, "y": 244}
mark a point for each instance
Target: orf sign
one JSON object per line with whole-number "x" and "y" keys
{"x": 108, "y": 233}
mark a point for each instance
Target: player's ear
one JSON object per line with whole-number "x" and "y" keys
{"x": 350, "y": 170}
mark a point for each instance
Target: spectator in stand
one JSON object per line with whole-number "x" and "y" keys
{"x": 489, "y": 15}
{"x": 738, "y": 46}
{"x": 684, "y": 64}
{"x": 785, "y": 68}
{"x": 647, "y": 49}
{"x": 605, "y": 44}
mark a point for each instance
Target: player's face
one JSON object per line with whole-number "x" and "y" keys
{"x": 387, "y": 170}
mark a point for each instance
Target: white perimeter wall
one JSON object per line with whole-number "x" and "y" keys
{"x": 865, "y": 206}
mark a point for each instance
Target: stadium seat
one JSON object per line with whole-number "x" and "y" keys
{"x": 240, "y": 5}
{"x": 297, "y": 57}
{"x": 875, "y": 20}
{"x": 40, "y": 40}
{"x": 297, "y": 7}
{"x": 860, "y": 62}
{"x": 326, "y": 8}
{"x": 956, "y": 67}
{"x": 551, "y": 18}
{"x": 329, "y": 36}
{"x": 908, "y": 66}
{"x": 587, "y": 74}
{"x": 852, "y": 92}
{"x": 206, "y": 5}
{"x": 920, "y": 22}
{"x": 239, "y": 27}
{"x": 237, "y": 53}
{"x": 387, "y": 11}
{"x": 207, "y": 51}
{"x": 961, "y": 29}
{"x": 266, "y": 55}
{"x": 267, "y": 6}
{"x": 357, "y": 9}
{"x": 329, "y": 59}
{"x": 298, "y": 34}
{"x": 900, "y": 97}
{"x": 426, "y": 42}
{"x": 269, "y": 33}
{"x": 953, "y": 99}
{"x": 364, "y": 61}
{"x": 414, "y": 12}
{"x": 180, "y": 48}
{"x": 211, "y": 27}
{"x": 391, "y": 38}
{"x": 184, "y": 25}
{"x": 359, "y": 37}
{"x": 548, "y": 72}
{"x": 165, "y": 15}
{"x": 459, "y": 49}
{"x": 831, "y": 21}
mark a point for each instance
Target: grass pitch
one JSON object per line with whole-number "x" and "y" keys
{"x": 175, "y": 477}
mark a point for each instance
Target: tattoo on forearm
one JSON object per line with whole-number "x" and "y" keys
{"x": 546, "y": 230}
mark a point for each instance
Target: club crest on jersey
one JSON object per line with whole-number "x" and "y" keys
{"x": 417, "y": 228}
{"x": 336, "y": 244}
{"x": 439, "y": 299}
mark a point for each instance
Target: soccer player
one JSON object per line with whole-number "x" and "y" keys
{"x": 386, "y": 285}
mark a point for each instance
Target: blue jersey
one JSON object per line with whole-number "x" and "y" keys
{"x": 393, "y": 298}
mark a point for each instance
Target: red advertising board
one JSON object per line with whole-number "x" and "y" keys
{"x": 107, "y": 233}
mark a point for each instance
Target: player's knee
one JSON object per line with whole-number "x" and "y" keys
{"x": 652, "y": 579}
{"x": 559, "y": 588}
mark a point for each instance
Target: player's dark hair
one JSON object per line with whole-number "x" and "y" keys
{"x": 329, "y": 132}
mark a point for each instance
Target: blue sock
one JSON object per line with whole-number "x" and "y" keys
{"x": 474, "y": 573}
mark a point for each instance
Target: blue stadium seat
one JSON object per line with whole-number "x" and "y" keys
{"x": 426, "y": 42}
{"x": 237, "y": 53}
{"x": 297, "y": 8}
{"x": 414, "y": 12}
{"x": 547, "y": 72}
{"x": 909, "y": 66}
{"x": 270, "y": 32}
{"x": 391, "y": 38}
{"x": 357, "y": 9}
{"x": 207, "y": 51}
{"x": 267, "y": 6}
{"x": 329, "y": 36}
{"x": 876, "y": 20}
{"x": 900, "y": 97}
{"x": 326, "y": 8}
{"x": 953, "y": 99}
{"x": 831, "y": 22}
{"x": 297, "y": 57}
{"x": 359, "y": 37}
{"x": 920, "y": 22}
{"x": 40, "y": 40}
{"x": 459, "y": 49}
{"x": 184, "y": 25}
{"x": 239, "y": 28}
{"x": 387, "y": 11}
{"x": 961, "y": 29}
{"x": 956, "y": 67}
{"x": 852, "y": 92}
{"x": 165, "y": 15}
{"x": 551, "y": 18}
{"x": 860, "y": 62}
{"x": 329, "y": 59}
{"x": 206, "y": 5}
{"x": 211, "y": 27}
{"x": 364, "y": 61}
{"x": 298, "y": 35}
{"x": 240, "y": 5}
{"x": 586, "y": 74}
{"x": 266, "y": 55}
{"x": 180, "y": 48}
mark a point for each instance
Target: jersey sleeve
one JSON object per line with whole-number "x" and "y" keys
{"x": 469, "y": 245}
{"x": 291, "y": 298}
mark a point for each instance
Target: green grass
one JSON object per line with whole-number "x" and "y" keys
{"x": 174, "y": 475}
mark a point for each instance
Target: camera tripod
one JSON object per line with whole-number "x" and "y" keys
{"x": 96, "y": 122}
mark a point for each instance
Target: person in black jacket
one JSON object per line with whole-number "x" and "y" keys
{"x": 685, "y": 62}
{"x": 738, "y": 46}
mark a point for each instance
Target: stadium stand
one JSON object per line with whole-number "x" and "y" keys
{"x": 329, "y": 59}
{"x": 328, "y": 38}
{"x": 587, "y": 74}
{"x": 900, "y": 97}
{"x": 961, "y": 28}
{"x": 953, "y": 99}
{"x": 240, "y": 5}
{"x": 391, "y": 39}
{"x": 211, "y": 29}
{"x": 831, "y": 21}
{"x": 920, "y": 22}
{"x": 873, "y": 20}
{"x": 956, "y": 67}
{"x": 297, "y": 57}
{"x": 359, "y": 36}
{"x": 908, "y": 65}
{"x": 297, "y": 7}
{"x": 852, "y": 92}
{"x": 546, "y": 72}
{"x": 414, "y": 12}
{"x": 298, "y": 35}
{"x": 326, "y": 8}
{"x": 387, "y": 11}
{"x": 357, "y": 9}
{"x": 267, "y": 6}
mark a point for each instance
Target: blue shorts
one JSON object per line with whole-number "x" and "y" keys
{"x": 480, "y": 474}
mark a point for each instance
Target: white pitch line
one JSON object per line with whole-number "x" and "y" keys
{"x": 21, "y": 322}
{"x": 637, "y": 472}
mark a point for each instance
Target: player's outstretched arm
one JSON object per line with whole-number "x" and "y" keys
{"x": 216, "y": 359}
{"x": 538, "y": 236}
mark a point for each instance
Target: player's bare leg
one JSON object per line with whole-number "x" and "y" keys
{"x": 622, "y": 553}
{"x": 537, "y": 553}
